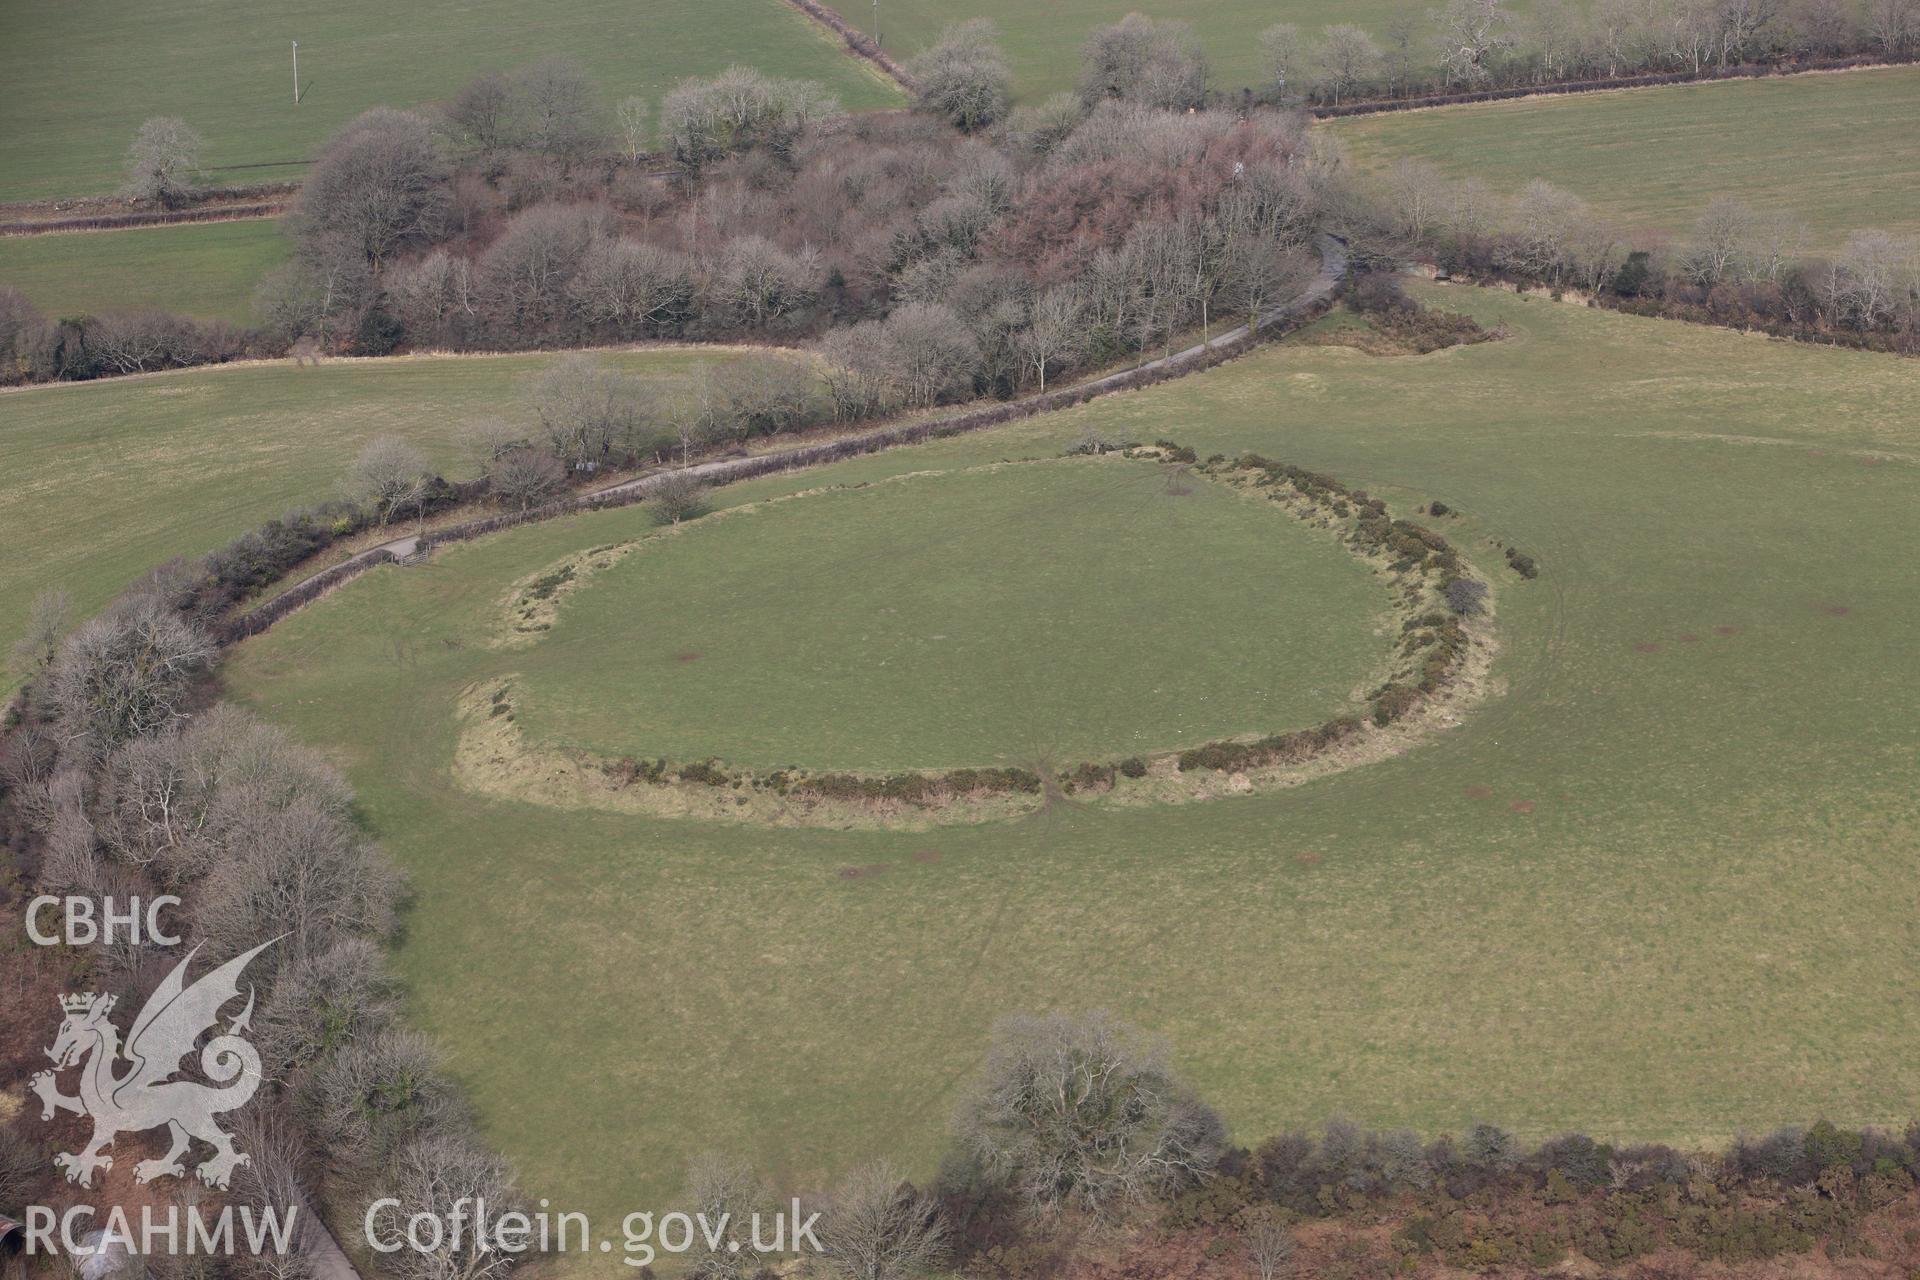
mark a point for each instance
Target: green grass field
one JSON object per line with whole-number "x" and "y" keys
{"x": 207, "y": 270}
{"x": 976, "y": 619}
{"x": 1659, "y": 886}
{"x": 104, "y": 480}
{"x": 1829, "y": 148}
{"x": 80, "y": 79}
{"x": 1042, "y": 41}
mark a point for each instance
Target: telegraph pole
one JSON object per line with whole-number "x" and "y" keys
{"x": 877, "y": 37}
{"x": 296, "y": 69}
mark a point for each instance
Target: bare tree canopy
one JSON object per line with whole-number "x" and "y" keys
{"x": 1139, "y": 59}
{"x": 1084, "y": 1112}
{"x": 164, "y": 154}
{"x": 390, "y": 476}
{"x": 377, "y": 186}
{"x": 126, "y": 675}
{"x": 877, "y": 1227}
{"x": 963, "y": 78}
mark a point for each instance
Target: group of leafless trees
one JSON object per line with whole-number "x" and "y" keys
{"x": 1483, "y": 44}
{"x": 928, "y": 266}
{"x": 126, "y": 783}
{"x": 1739, "y": 264}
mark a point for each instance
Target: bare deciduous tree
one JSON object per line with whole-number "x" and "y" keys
{"x": 555, "y": 109}
{"x": 719, "y": 1187}
{"x": 365, "y": 1103}
{"x": 1055, "y": 336}
{"x": 126, "y": 674}
{"x": 632, "y": 287}
{"x": 164, "y": 154}
{"x": 48, "y": 620}
{"x": 442, "y": 1174}
{"x": 1345, "y": 57}
{"x": 963, "y": 77}
{"x": 676, "y": 495}
{"x": 584, "y": 410}
{"x": 482, "y": 111}
{"x": 1269, "y": 1247}
{"x": 633, "y": 114}
{"x": 1283, "y": 57}
{"x": 1472, "y": 34}
{"x": 377, "y": 186}
{"x": 1085, "y": 1113}
{"x": 1138, "y": 59}
{"x": 522, "y": 477}
{"x": 877, "y": 1227}
{"x": 390, "y": 476}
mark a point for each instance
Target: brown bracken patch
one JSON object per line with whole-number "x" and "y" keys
{"x": 1689, "y": 638}
{"x": 1307, "y": 859}
{"x": 1479, "y": 791}
{"x": 686, "y": 657}
{"x": 1726, "y": 631}
{"x": 1835, "y": 610}
{"x": 1646, "y": 646}
{"x": 927, "y": 857}
{"x": 1521, "y": 806}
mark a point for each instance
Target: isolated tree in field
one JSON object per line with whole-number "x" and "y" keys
{"x": 1472, "y": 34}
{"x": 1345, "y": 57}
{"x": 48, "y": 620}
{"x": 377, "y": 186}
{"x": 126, "y": 674}
{"x": 963, "y": 78}
{"x": 584, "y": 410}
{"x": 1283, "y": 57}
{"x": 523, "y": 477}
{"x": 556, "y": 112}
{"x": 676, "y": 496}
{"x": 633, "y": 114}
{"x": 877, "y": 1227}
{"x": 1137, "y": 59}
{"x": 390, "y": 476}
{"x": 1084, "y": 1112}
{"x": 165, "y": 153}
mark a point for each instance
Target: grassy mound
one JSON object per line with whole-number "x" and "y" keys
{"x": 1041, "y": 614}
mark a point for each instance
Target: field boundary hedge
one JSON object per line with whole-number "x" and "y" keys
{"x": 1649, "y": 80}
{"x": 1308, "y": 304}
{"x": 859, "y": 42}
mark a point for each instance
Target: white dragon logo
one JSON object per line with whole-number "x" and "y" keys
{"x": 143, "y": 1096}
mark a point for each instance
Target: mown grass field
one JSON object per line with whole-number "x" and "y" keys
{"x": 80, "y": 78}
{"x": 104, "y": 480}
{"x": 1042, "y": 41}
{"x": 977, "y": 618}
{"x": 1660, "y": 886}
{"x": 1837, "y": 150}
{"x": 208, "y": 270}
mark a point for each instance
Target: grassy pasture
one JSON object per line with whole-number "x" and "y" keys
{"x": 103, "y": 480}
{"x": 1042, "y": 41}
{"x": 81, "y": 77}
{"x": 974, "y": 619}
{"x": 1837, "y": 150}
{"x": 1659, "y": 887}
{"x": 207, "y": 270}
